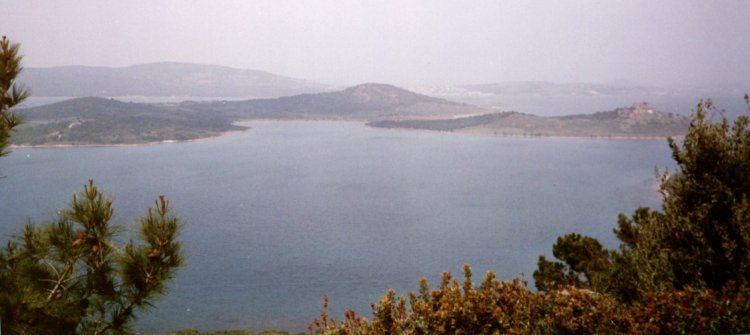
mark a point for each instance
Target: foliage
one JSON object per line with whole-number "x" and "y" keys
{"x": 11, "y": 93}
{"x": 584, "y": 258}
{"x": 71, "y": 276}
{"x": 693, "y": 311}
{"x": 706, "y": 231}
{"x": 700, "y": 239}
{"x": 496, "y": 307}
{"x": 493, "y": 307}
{"x": 231, "y": 332}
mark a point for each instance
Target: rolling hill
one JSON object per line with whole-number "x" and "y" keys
{"x": 366, "y": 102}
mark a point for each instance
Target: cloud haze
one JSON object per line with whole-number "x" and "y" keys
{"x": 677, "y": 43}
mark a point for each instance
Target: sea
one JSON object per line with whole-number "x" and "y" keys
{"x": 285, "y": 213}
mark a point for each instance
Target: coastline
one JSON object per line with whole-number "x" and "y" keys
{"x": 561, "y": 137}
{"x": 241, "y": 123}
{"x": 97, "y": 145}
{"x": 246, "y": 124}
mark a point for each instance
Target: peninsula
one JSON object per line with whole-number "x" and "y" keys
{"x": 637, "y": 121}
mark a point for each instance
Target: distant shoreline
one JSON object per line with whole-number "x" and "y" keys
{"x": 561, "y": 137}
{"x": 100, "y": 145}
{"x": 245, "y": 123}
{"x": 241, "y": 123}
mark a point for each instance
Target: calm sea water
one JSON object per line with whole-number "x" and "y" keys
{"x": 278, "y": 216}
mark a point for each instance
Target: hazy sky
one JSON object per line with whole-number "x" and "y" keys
{"x": 676, "y": 43}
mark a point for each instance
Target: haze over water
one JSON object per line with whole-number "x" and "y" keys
{"x": 278, "y": 216}
{"x": 406, "y": 43}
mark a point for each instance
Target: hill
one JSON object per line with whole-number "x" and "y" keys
{"x": 638, "y": 121}
{"x": 366, "y": 102}
{"x": 162, "y": 79}
{"x": 92, "y": 120}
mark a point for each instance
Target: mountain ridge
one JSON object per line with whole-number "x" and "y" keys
{"x": 163, "y": 79}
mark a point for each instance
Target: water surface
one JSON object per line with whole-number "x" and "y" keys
{"x": 280, "y": 215}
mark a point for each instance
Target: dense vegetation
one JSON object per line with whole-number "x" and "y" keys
{"x": 682, "y": 270}
{"x": 230, "y": 332}
{"x": 509, "y": 307}
{"x": 701, "y": 238}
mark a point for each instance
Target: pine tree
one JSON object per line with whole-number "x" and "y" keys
{"x": 11, "y": 93}
{"x": 584, "y": 258}
{"x": 70, "y": 276}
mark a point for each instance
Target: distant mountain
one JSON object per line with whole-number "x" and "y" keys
{"x": 567, "y": 89}
{"x": 162, "y": 79}
{"x": 364, "y": 102}
{"x": 556, "y": 99}
{"x": 638, "y": 121}
{"x": 548, "y": 89}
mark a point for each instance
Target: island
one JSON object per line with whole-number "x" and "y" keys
{"x": 106, "y": 121}
{"x": 640, "y": 121}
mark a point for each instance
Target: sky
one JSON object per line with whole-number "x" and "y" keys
{"x": 680, "y": 43}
